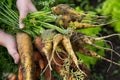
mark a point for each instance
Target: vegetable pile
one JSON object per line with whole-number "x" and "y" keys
{"x": 50, "y": 42}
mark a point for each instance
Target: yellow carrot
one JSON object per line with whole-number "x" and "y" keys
{"x": 25, "y": 49}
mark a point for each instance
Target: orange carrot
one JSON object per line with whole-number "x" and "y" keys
{"x": 37, "y": 56}
{"x": 48, "y": 74}
{"x": 36, "y": 71}
{"x": 20, "y": 75}
{"x": 88, "y": 52}
{"x": 12, "y": 76}
{"x": 41, "y": 64}
{"x": 9, "y": 76}
{"x": 38, "y": 44}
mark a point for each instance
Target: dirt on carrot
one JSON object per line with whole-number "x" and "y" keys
{"x": 67, "y": 44}
{"x": 25, "y": 50}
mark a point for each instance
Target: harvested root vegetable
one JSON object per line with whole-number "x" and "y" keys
{"x": 46, "y": 71}
{"x": 63, "y": 9}
{"x": 58, "y": 65}
{"x": 66, "y": 71}
{"x": 38, "y": 43}
{"x": 59, "y": 59}
{"x": 78, "y": 25}
{"x": 41, "y": 48}
{"x": 71, "y": 18}
{"x": 37, "y": 69}
{"x": 41, "y": 64}
{"x": 13, "y": 77}
{"x": 47, "y": 37}
{"x": 63, "y": 21}
{"x": 47, "y": 51}
{"x": 20, "y": 75}
{"x": 67, "y": 44}
{"x": 37, "y": 56}
{"x": 84, "y": 39}
{"x": 68, "y": 20}
{"x": 94, "y": 54}
{"x": 56, "y": 40}
{"x": 84, "y": 68}
{"x": 9, "y": 76}
{"x": 48, "y": 74}
{"x": 39, "y": 60}
{"x": 25, "y": 49}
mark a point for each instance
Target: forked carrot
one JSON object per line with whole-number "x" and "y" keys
{"x": 56, "y": 40}
{"x": 47, "y": 51}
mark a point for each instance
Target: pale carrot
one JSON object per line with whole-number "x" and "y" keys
{"x": 25, "y": 49}
{"x": 67, "y": 45}
{"x": 47, "y": 51}
{"x": 56, "y": 40}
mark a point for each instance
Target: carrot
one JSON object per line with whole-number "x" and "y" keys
{"x": 63, "y": 21}
{"x": 46, "y": 71}
{"x": 48, "y": 74}
{"x": 9, "y": 76}
{"x": 87, "y": 52}
{"x": 84, "y": 68}
{"x": 41, "y": 64}
{"x": 56, "y": 40}
{"x": 81, "y": 25}
{"x": 58, "y": 61}
{"x": 25, "y": 50}
{"x": 36, "y": 71}
{"x": 38, "y": 43}
{"x": 47, "y": 37}
{"x": 20, "y": 75}
{"x": 78, "y": 25}
{"x": 12, "y": 76}
{"x": 47, "y": 51}
{"x": 63, "y": 9}
{"x": 88, "y": 40}
{"x": 83, "y": 39}
{"x": 58, "y": 65}
{"x": 36, "y": 60}
{"x": 67, "y": 44}
{"x": 36, "y": 57}
{"x": 68, "y": 20}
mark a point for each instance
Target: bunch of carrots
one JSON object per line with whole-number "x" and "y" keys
{"x": 54, "y": 44}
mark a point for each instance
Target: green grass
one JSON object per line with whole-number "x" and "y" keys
{"x": 7, "y": 64}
